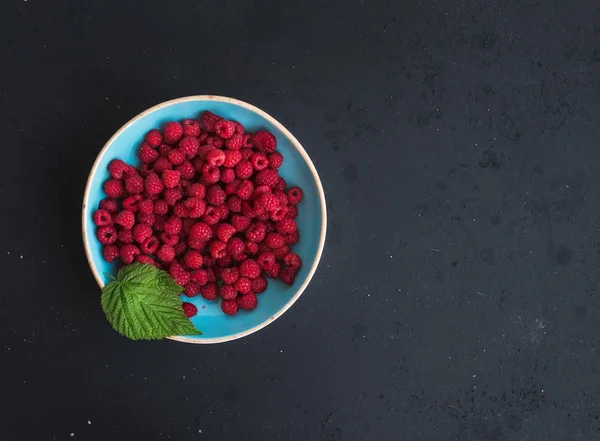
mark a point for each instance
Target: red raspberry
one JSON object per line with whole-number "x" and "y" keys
{"x": 169, "y": 239}
{"x": 145, "y": 170}
{"x": 208, "y": 121}
{"x": 161, "y": 165}
{"x": 163, "y": 150}
{"x": 209, "y": 291}
{"x": 230, "y": 275}
{"x": 262, "y": 189}
{"x": 249, "y": 268}
{"x": 244, "y": 169}
{"x": 176, "y": 157}
{"x": 201, "y": 231}
{"x": 217, "y": 249}
{"x": 153, "y": 184}
{"x": 134, "y": 184}
{"x": 227, "y": 175}
{"x": 266, "y": 202}
{"x": 109, "y": 205}
{"x": 247, "y": 302}
{"x": 245, "y": 190}
{"x": 246, "y": 153}
{"x": 142, "y": 258}
{"x": 128, "y": 253}
{"x": 270, "y": 228}
{"x": 137, "y": 203}
{"x": 256, "y": 232}
{"x": 225, "y": 129}
{"x": 281, "y": 184}
{"x": 233, "y": 187}
{"x": 172, "y": 195}
{"x": 196, "y": 191}
{"x": 188, "y": 146}
{"x": 153, "y": 138}
{"x": 141, "y": 232}
{"x": 125, "y": 236}
{"x": 282, "y": 197}
{"x": 173, "y": 226}
{"x": 102, "y": 217}
{"x": 148, "y": 219}
{"x": 264, "y": 141}
{"x": 227, "y": 292}
{"x": 147, "y": 154}
{"x": 173, "y": 132}
{"x": 110, "y": 253}
{"x": 279, "y": 214}
{"x": 234, "y": 203}
{"x": 187, "y": 226}
{"x": 224, "y": 232}
{"x": 240, "y": 223}
{"x": 215, "y": 195}
{"x": 166, "y": 253}
{"x": 202, "y": 152}
{"x": 229, "y": 307}
{"x": 191, "y": 127}
{"x": 211, "y": 216}
{"x": 161, "y": 207}
{"x": 215, "y": 157}
{"x": 259, "y": 161}
{"x": 235, "y": 142}
{"x": 113, "y": 188}
{"x": 218, "y": 143}
{"x": 292, "y": 260}
{"x": 294, "y": 195}
{"x": 195, "y": 207}
{"x": 292, "y": 211}
{"x": 150, "y": 245}
{"x": 243, "y": 285}
{"x": 232, "y": 158}
{"x": 250, "y": 247}
{"x": 287, "y": 275}
{"x": 116, "y": 168}
{"x": 247, "y": 210}
{"x": 267, "y": 177}
{"x": 280, "y": 252}
{"x": 259, "y": 285}
{"x": 200, "y": 277}
{"x": 193, "y": 259}
{"x": 195, "y": 244}
{"x": 266, "y": 259}
{"x": 187, "y": 170}
{"x": 275, "y": 159}
{"x": 192, "y": 289}
{"x": 171, "y": 178}
{"x": 235, "y": 247}
{"x": 126, "y": 219}
{"x": 274, "y": 271}
{"x": 286, "y": 226}
{"x": 292, "y": 238}
{"x": 179, "y": 274}
{"x": 189, "y": 309}
{"x": 180, "y": 248}
{"x": 202, "y": 137}
{"x": 210, "y": 174}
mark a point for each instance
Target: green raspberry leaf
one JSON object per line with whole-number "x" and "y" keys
{"x": 143, "y": 303}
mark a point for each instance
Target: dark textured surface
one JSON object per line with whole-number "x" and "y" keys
{"x": 457, "y": 298}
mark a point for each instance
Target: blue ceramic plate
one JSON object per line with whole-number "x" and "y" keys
{"x": 297, "y": 169}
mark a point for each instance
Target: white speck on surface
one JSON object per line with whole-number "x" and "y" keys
{"x": 8, "y": 252}
{"x": 89, "y": 422}
{"x": 21, "y": 256}
{"x": 72, "y": 434}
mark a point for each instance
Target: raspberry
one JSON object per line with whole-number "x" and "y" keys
{"x": 232, "y": 158}
{"x": 102, "y": 217}
{"x": 235, "y": 142}
{"x": 176, "y": 157}
{"x": 171, "y": 178}
{"x": 292, "y": 211}
{"x": 229, "y": 307}
{"x": 172, "y": 195}
{"x": 287, "y": 275}
{"x": 279, "y": 213}
{"x": 256, "y": 232}
{"x": 137, "y": 203}
{"x": 266, "y": 177}
{"x": 147, "y": 154}
{"x": 173, "y": 226}
{"x": 193, "y": 259}
{"x": 209, "y": 291}
{"x": 180, "y": 248}
{"x": 274, "y": 271}
{"x": 146, "y": 218}
{"x": 153, "y": 184}
{"x": 179, "y": 274}
{"x": 266, "y": 202}
{"x": 187, "y": 170}
{"x": 110, "y": 253}
{"x": 196, "y": 191}
{"x": 235, "y": 247}
{"x": 234, "y": 203}
{"x": 145, "y": 170}
{"x": 250, "y": 247}
{"x": 169, "y": 239}
{"x": 211, "y": 215}
{"x": 239, "y": 222}
{"x": 292, "y": 260}
{"x": 162, "y": 164}
{"x": 266, "y": 259}
{"x": 224, "y": 232}
{"x": 150, "y": 245}
{"x": 125, "y": 236}
{"x": 215, "y": 195}
{"x": 166, "y": 253}
{"x": 244, "y": 169}
{"x": 275, "y": 159}
{"x": 134, "y": 184}
{"x": 116, "y": 168}
{"x": 227, "y": 175}
{"x": 233, "y": 187}
{"x": 189, "y": 309}
{"x": 210, "y": 173}
{"x": 191, "y": 127}
{"x": 161, "y": 207}
{"x": 215, "y": 157}
{"x": 128, "y": 253}
{"x": 243, "y": 285}
{"x": 109, "y": 205}
{"x": 286, "y": 226}
{"x": 208, "y": 121}
{"x": 153, "y": 138}
{"x": 270, "y": 228}
{"x": 217, "y": 249}
{"x": 113, "y": 188}
{"x": 203, "y": 151}
{"x": 247, "y": 302}
{"x": 280, "y": 252}
{"x": 247, "y": 210}
{"x": 164, "y": 149}
{"x": 294, "y": 195}
{"x": 249, "y": 268}
{"x": 141, "y": 232}
{"x": 201, "y": 231}
{"x": 192, "y": 289}
{"x": 188, "y": 146}
{"x": 264, "y": 141}
{"x": 173, "y": 132}
{"x": 230, "y": 275}
{"x": 195, "y": 207}
{"x": 141, "y": 258}
{"x": 245, "y": 190}
{"x": 292, "y": 238}
{"x": 259, "y": 161}
{"x": 246, "y": 153}
{"x": 225, "y": 129}
{"x": 281, "y": 184}
{"x": 195, "y": 244}
{"x": 227, "y": 292}
{"x": 126, "y": 219}
{"x": 200, "y": 277}
{"x": 239, "y": 128}
{"x": 259, "y": 285}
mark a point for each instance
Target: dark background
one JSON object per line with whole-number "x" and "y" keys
{"x": 458, "y": 144}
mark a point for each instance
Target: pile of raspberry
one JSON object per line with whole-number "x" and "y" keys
{"x": 207, "y": 205}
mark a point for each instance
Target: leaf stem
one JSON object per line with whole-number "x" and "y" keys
{"x": 111, "y": 276}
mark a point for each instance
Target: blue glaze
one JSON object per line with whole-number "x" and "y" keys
{"x": 295, "y": 169}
